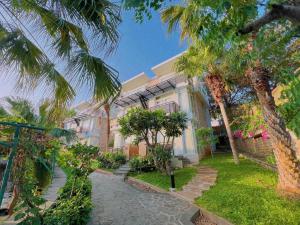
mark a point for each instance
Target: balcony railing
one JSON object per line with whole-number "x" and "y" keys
{"x": 168, "y": 107}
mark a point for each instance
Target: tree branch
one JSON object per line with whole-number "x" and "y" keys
{"x": 278, "y": 11}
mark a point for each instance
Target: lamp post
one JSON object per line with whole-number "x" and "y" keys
{"x": 172, "y": 188}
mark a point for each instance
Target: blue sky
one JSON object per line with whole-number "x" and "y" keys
{"x": 141, "y": 47}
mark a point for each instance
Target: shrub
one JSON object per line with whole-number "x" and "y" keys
{"x": 111, "y": 160}
{"x": 142, "y": 164}
{"x": 74, "y": 204}
{"x": 162, "y": 158}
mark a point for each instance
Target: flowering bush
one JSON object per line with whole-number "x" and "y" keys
{"x": 238, "y": 134}
{"x": 265, "y": 135}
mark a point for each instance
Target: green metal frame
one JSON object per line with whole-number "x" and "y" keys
{"x": 14, "y": 146}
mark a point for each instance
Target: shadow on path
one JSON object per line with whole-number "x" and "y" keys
{"x": 118, "y": 203}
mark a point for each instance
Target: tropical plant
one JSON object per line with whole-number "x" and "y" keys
{"x": 202, "y": 61}
{"x": 274, "y": 10}
{"x": 146, "y": 125}
{"x": 18, "y": 109}
{"x": 152, "y": 126}
{"x": 206, "y": 137}
{"x": 62, "y": 24}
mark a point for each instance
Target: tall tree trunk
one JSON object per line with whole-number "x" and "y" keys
{"x": 284, "y": 151}
{"x": 216, "y": 86}
{"x": 107, "y": 111}
{"x": 229, "y": 132}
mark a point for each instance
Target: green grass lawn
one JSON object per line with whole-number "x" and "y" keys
{"x": 182, "y": 177}
{"x": 246, "y": 194}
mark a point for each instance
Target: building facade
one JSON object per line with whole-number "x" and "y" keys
{"x": 171, "y": 92}
{"x": 90, "y": 124}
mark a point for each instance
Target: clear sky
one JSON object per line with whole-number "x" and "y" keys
{"x": 141, "y": 47}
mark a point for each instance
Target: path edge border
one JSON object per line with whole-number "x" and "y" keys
{"x": 192, "y": 213}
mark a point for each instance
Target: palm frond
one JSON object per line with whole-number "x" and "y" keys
{"x": 21, "y": 108}
{"x": 100, "y": 16}
{"x": 63, "y": 92}
{"x": 19, "y": 52}
{"x": 62, "y": 23}
{"x": 172, "y": 16}
{"x": 89, "y": 70}
{"x": 65, "y": 34}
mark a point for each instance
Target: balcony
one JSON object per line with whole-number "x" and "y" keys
{"x": 168, "y": 107}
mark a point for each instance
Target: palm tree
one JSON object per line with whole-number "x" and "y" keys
{"x": 71, "y": 29}
{"x": 21, "y": 108}
{"x": 199, "y": 59}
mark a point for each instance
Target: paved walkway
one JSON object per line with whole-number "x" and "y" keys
{"x": 58, "y": 181}
{"x": 118, "y": 203}
{"x": 205, "y": 178}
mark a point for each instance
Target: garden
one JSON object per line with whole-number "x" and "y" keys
{"x": 242, "y": 53}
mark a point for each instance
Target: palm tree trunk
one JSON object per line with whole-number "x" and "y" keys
{"x": 284, "y": 151}
{"x": 216, "y": 86}
{"x": 229, "y": 133}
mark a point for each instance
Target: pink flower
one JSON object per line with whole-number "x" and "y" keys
{"x": 251, "y": 134}
{"x": 238, "y": 134}
{"x": 265, "y": 135}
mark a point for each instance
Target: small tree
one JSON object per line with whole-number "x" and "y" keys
{"x": 205, "y": 137}
{"x": 148, "y": 126}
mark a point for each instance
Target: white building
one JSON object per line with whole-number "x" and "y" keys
{"x": 172, "y": 92}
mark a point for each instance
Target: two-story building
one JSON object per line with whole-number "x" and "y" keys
{"x": 170, "y": 91}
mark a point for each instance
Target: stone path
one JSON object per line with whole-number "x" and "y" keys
{"x": 205, "y": 178}
{"x": 118, "y": 203}
{"x": 123, "y": 170}
{"x": 58, "y": 181}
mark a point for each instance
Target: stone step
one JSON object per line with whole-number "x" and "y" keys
{"x": 124, "y": 169}
{"x": 125, "y": 166}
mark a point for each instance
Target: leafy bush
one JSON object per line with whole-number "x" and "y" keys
{"x": 77, "y": 159}
{"x": 74, "y": 204}
{"x": 111, "y": 160}
{"x": 142, "y": 164}
{"x": 162, "y": 158}
{"x": 206, "y": 137}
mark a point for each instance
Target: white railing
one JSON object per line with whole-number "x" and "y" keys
{"x": 168, "y": 107}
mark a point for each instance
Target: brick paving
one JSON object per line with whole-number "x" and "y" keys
{"x": 205, "y": 178}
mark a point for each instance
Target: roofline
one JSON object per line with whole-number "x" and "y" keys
{"x": 168, "y": 60}
{"x": 136, "y": 76}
